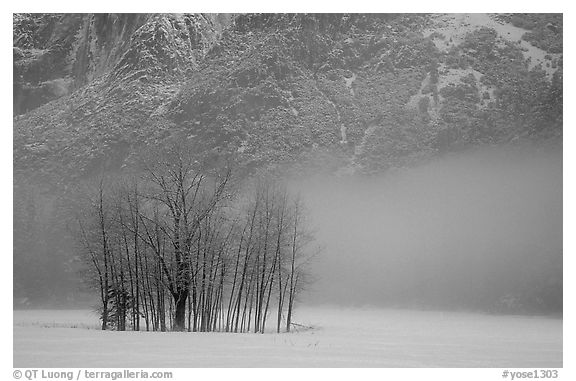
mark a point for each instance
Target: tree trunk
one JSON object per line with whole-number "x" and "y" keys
{"x": 180, "y": 305}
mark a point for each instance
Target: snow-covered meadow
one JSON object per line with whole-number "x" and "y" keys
{"x": 339, "y": 338}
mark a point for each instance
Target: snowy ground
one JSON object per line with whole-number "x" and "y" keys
{"x": 342, "y": 338}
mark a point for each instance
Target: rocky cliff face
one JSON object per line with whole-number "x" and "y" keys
{"x": 367, "y": 92}
{"x": 56, "y": 54}
{"x": 83, "y": 84}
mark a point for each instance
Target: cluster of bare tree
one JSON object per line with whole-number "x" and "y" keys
{"x": 181, "y": 248}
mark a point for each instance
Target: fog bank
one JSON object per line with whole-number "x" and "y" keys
{"x": 480, "y": 230}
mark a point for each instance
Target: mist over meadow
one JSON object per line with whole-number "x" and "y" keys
{"x": 480, "y": 230}
{"x": 477, "y": 231}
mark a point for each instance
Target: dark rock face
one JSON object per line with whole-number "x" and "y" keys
{"x": 83, "y": 84}
{"x": 370, "y": 91}
{"x": 55, "y": 55}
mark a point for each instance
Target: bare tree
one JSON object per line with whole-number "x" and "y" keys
{"x": 184, "y": 197}
{"x": 173, "y": 247}
{"x": 94, "y": 231}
